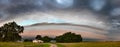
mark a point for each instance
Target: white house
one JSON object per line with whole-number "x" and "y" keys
{"x": 37, "y": 41}
{"x": 53, "y": 41}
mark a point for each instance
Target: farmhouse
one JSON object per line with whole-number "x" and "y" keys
{"x": 37, "y": 41}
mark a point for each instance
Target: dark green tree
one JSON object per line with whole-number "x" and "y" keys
{"x": 46, "y": 39}
{"x": 38, "y": 37}
{"x": 69, "y": 37}
{"x": 10, "y": 32}
{"x": 0, "y": 35}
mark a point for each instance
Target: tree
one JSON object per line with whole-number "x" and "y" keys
{"x": 46, "y": 39}
{"x": 38, "y": 37}
{"x": 0, "y": 35}
{"x": 10, "y": 32}
{"x": 27, "y": 40}
{"x": 69, "y": 37}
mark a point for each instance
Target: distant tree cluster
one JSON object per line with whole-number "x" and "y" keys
{"x": 45, "y": 38}
{"x": 69, "y": 37}
{"x": 10, "y": 32}
{"x": 65, "y": 38}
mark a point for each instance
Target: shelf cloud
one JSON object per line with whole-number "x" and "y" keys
{"x": 102, "y": 14}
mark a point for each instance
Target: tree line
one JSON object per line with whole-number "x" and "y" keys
{"x": 65, "y": 38}
{"x": 9, "y": 32}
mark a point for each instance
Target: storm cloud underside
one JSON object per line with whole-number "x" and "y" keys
{"x": 102, "y": 14}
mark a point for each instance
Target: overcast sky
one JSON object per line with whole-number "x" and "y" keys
{"x": 97, "y": 13}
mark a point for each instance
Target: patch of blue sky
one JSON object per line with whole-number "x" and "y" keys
{"x": 55, "y": 21}
{"x": 51, "y": 20}
{"x": 30, "y": 22}
{"x": 27, "y": 22}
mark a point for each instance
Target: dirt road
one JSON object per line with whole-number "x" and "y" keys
{"x": 53, "y": 45}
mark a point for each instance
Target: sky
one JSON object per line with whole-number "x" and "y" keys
{"x": 103, "y": 14}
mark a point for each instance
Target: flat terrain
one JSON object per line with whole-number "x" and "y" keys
{"x": 90, "y": 44}
{"x": 81, "y": 44}
{"x": 24, "y": 44}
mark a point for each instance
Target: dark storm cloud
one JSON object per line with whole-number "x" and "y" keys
{"x": 22, "y": 6}
{"x": 20, "y": 9}
{"x": 12, "y": 8}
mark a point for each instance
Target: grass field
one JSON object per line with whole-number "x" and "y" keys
{"x": 24, "y": 44}
{"x": 81, "y": 44}
{"x": 90, "y": 44}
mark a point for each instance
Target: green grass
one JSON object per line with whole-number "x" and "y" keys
{"x": 59, "y": 45}
{"x": 81, "y": 44}
{"x": 91, "y": 44}
{"x": 24, "y": 44}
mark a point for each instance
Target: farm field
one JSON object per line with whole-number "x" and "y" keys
{"x": 90, "y": 44}
{"x": 24, "y": 44}
{"x": 81, "y": 44}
